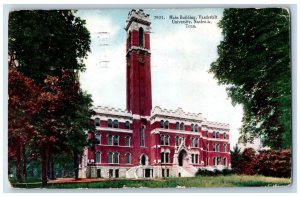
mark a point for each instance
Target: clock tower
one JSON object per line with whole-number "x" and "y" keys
{"x": 138, "y": 69}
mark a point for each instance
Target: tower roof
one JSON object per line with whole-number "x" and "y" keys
{"x": 137, "y": 16}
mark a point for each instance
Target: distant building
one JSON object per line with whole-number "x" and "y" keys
{"x": 142, "y": 141}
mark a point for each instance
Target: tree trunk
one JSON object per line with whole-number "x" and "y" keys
{"x": 18, "y": 163}
{"x": 44, "y": 166}
{"x": 24, "y": 161}
{"x": 75, "y": 164}
{"x": 52, "y": 174}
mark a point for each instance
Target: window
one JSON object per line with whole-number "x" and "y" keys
{"x": 225, "y": 148}
{"x": 168, "y": 172}
{"x": 109, "y": 123}
{"x": 97, "y": 122}
{"x": 182, "y": 126}
{"x": 127, "y": 141}
{"x": 218, "y": 135}
{"x": 110, "y": 157}
{"x": 196, "y": 128}
{"x": 109, "y": 140}
{"x": 167, "y": 140}
{"x": 141, "y": 37}
{"x": 218, "y": 160}
{"x": 116, "y": 140}
{"x": 192, "y": 127}
{"x": 207, "y": 161}
{"x": 177, "y": 141}
{"x": 163, "y": 172}
{"x": 192, "y": 142}
{"x": 224, "y": 135}
{"x": 215, "y": 161}
{"x": 117, "y": 173}
{"x": 193, "y": 158}
{"x": 162, "y": 157}
{"x": 98, "y": 138}
{"x": 162, "y": 140}
{"x": 214, "y": 147}
{"x": 214, "y": 134}
{"x": 111, "y": 173}
{"x": 225, "y": 161}
{"x": 206, "y": 133}
{"x": 196, "y": 158}
{"x": 177, "y": 126}
{"x": 167, "y": 157}
{"x": 116, "y": 158}
{"x": 127, "y": 158}
{"x": 143, "y": 136}
{"x": 161, "y": 124}
{"x": 116, "y": 124}
{"x": 127, "y": 125}
{"x": 196, "y": 142}
{"x": 98, "y": 159}
{"x": 167, "y": 125}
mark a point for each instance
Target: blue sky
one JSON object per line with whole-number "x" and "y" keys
{"x": 181, "y": 58}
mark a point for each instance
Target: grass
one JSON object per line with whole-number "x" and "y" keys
{"x": 196, "y": 182}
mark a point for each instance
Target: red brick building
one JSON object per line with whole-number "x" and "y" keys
{"x": 142, "y": 141}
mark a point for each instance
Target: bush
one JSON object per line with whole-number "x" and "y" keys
{"x": 274, "y": 163}
{"x": 216, "y": 172}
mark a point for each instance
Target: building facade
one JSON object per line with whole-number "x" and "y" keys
{"x": 142, "y": 141}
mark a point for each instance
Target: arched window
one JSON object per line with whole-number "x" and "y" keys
{"x": 161, "y": 124}
{"x": 196, "y": 142}
{"x": 225, "y": 148}
{"x": 110, "y": 140}
{"x": 98, "y": 138}
{"x": 142, "y": 135}
{"x": 218, "y": 160}
{"x": 162, "y": 157}
{"x": 224, "y": 135}
{"x": 127, "y": 158}
{"x": 177, "y": 141}
{"x": 177, "y": 126}
{"x": 225, "y": 161}
{"x": 215, "y": 161}
{"x": 192, "y": 156}
{"x": 196, "y": 128}
{"x": 192, "y": 142}
{"x": 97, "y": 122}
{"x": 98, "y": 158}
{"x": 182, "y": 126}
{"x": 192, "y": 127}
{"x": 162, "y": 140}
{"x": 206, "y": 133}
{"x": 141, "y": 37}
{"x": 110, "y": 157}
{"x": 214, "y": 147}
{"x": 116, "y": 157}
{"x": 218, "y": 135}
{"x": 167, "y": 142}
{"x": 109, "y": 123}
{"x": 214, "y": 134}
{"x": 167, "y": 157}
{"x": 116, "y": 140}
{"x": 116, "y": 124}
{"x": 167, "y": 125}
{"x": 196, "y": 158}
{"x": 127, "y": 141}
{"x": 127, "y": 125}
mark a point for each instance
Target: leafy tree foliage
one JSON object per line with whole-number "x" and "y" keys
{"x": 47, "y": 41}
{"x": 254, "y": 62}
{"x": 46, "y": 50}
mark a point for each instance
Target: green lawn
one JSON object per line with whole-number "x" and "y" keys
{"x": 218, "y": 181}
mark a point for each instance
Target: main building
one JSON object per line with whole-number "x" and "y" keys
{"x": 142, "y": 141}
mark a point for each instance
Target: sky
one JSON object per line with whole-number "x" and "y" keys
{"x": 180, "y": 60}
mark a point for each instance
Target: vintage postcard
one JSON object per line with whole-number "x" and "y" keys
{"x": 149, "y": 98}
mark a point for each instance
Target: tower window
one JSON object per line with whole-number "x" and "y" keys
{"x": 98, "y": 137}
{"x": 162, "y": 140}
{"x": 196, "y": 128}
{"x": 127, "y": 141}
{"x": 161, "y": 124}
{"x": 98, "y": 157}
{"x": 110, "y": 157}
{"x": 127, "y": 158}
{"x": 109, "y": 140}
{"x": 167, "y": 140}
{"x": 177, "y": 141}
{"x": 116, "y": 124}
{"x": 167, "y": 125}
{"x": 182, "y": 126}
{"x": 177, "y": 126}
{"x": 141, "y": 37}
{"x": 224, "y": 135}
{"x": 192, "y": 127}
{"x": 127, "y": 125}
{"x": 116, "y": 140}
{"x": 129, "y": 41}
{"x": 142, "y": 136}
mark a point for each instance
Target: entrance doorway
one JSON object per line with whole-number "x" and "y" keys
{"x": 182, "y": 157}
{"x": 98, "y": 173}
{"x": 143, "y": 160}
{"x": 147, "y": 173}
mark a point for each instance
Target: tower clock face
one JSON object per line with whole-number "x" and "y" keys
{"x": 141, "y": 59}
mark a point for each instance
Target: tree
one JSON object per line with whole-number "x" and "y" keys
{"x": 254, "y": 63}
{"x": 235, "y": 157}
{"x": 48, "y": 48}
{"x": 248, "y": 162}
{"x": 46, "y": 41}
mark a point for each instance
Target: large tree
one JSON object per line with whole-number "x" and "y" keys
{"x": 48, "y": 47}
{"x": 254, "y": 63}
